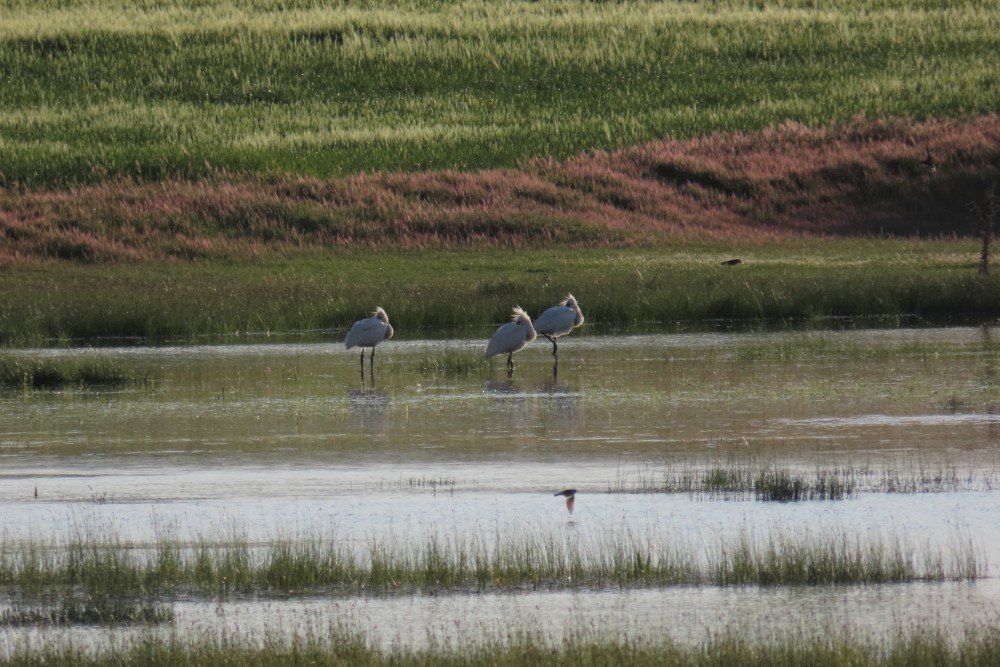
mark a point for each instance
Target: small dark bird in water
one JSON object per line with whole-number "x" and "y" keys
{"x": 569, "y": 494}
{"x": 929, "y": 162}
{"x": 732, "y": 262}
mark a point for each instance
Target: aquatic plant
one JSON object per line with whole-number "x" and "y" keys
{"x": 768, "y": 481}
{"x": 916, "y": 646}
{"x": 90, "y": 370}
{"x": 450, "y": 362}
{"x": 124, "y": 581}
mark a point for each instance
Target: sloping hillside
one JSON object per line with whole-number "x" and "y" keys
{"x": 897, "y": 178}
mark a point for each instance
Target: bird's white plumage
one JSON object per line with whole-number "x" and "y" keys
{"x": 561, "y": 319}
{"x": 511, "y": 337}
{"x": 370, "y": 331}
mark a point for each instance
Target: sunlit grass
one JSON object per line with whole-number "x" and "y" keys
{"x": 450, "y": 362}
{"x": 121, "y": 582}
{"x": 188, "y": 88}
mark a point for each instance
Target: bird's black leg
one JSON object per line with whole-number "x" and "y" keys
{"x": 552, "y": 340}
{"x": 362, "y": 360}
{"x": 510, "y": 365}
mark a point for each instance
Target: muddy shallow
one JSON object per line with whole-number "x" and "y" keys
{"x": 267, "y": 441}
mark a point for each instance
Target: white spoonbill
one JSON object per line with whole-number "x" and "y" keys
{"x": 559, "y": 320}
{"x": 511, "y": 337}
{"x": 369, "y": 332}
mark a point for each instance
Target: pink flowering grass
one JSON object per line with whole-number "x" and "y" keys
{"x": 864, "y": 178}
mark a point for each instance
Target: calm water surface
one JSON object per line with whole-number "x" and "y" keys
{"x": 267, "y": 441}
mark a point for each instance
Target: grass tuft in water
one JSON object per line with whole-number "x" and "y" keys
{"x": 451, "y": 362}
{"x": 50, "y": 373}
{"x": 122, "y": 582}
{"x": 740, "y": 480}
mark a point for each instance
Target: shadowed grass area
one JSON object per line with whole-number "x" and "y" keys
{"x": 90, "y": 371}
{"x": 917, "y": 647}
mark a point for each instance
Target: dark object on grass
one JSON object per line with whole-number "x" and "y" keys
{"x": 732, "y": 262}
{"x": 929, "y": 162}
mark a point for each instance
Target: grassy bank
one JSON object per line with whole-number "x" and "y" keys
{"x": 177, "y": 88}
{"x": 438, "y": 292}
{"x": 919, "y": 647}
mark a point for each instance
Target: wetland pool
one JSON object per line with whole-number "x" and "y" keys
{"x": 288, "y": 441}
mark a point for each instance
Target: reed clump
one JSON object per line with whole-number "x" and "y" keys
{"x": 767, "y": 481}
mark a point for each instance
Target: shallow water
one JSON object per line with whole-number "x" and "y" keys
{"x": 266, "y": 441}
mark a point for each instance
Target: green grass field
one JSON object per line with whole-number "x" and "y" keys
{"x": 93, "y": 89}
{"x": 434, "y": 294}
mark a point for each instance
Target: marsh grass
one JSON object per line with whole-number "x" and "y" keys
{"x": 430, "y": 292}
{"x": 122, "y": 582}
{"x": 768, "y": 481}
{"x": 915, "y": 647}
{"x": 50, "y": 373}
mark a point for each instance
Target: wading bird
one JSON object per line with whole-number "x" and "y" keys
{"x": 559, "y": 320}
{"x": 511, "y": 338}
{"x": 369, "y": 332}
{"x": 569, "y": 494}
